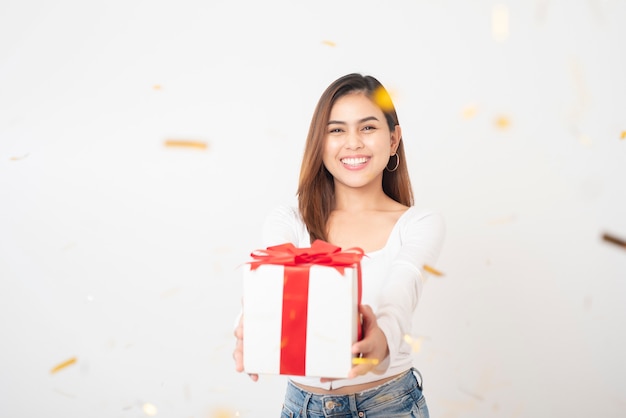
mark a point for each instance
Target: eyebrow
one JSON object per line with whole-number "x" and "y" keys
{"x": 367, "y": 119}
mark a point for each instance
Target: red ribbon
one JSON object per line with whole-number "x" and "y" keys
{"x": 298, "y": 262}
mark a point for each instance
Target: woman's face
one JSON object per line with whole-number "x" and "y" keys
{"x": 358, "y": 141}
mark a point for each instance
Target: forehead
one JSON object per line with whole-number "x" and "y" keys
{"x": 354, "y": 106}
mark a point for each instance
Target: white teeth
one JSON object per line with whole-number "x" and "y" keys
{"x": 354, "y": 161}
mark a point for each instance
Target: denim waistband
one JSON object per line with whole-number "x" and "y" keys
{"x": 336, "y": 404}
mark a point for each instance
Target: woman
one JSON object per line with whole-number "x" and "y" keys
{"x": 354, "y": 191}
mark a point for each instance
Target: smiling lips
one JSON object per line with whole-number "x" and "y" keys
{"x": 354, "y": 162}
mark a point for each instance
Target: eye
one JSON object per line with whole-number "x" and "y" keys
{"x": 335, "y": 130}
{"x": 369, "y": 128}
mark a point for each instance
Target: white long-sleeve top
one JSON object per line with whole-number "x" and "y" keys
{"x": 392, "y": 279}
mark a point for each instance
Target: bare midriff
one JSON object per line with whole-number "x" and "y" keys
{"x": 345, "y": 390}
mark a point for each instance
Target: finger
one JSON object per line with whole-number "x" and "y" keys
{"x": 239, "y": 332}
{"x": 363, "y": 346}
{"x": 368, "y": 316}
{"x": 359, "y": 370}
{"x": 356, "y": 371}
{"x": 366, "y": 310}
{"x": 238, "y": 356}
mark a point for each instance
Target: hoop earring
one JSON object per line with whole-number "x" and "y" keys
{"x": 397, "y": 163}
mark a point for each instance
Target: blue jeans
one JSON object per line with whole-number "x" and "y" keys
{"x": 398, "y": 398}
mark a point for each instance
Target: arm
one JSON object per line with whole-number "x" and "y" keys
{"x": 421, "y": 241}
{"x": 282, "y": 226}
{"x": 279, "y": 228}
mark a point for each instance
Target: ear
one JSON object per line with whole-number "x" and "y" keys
{"x": 396, "y": 137}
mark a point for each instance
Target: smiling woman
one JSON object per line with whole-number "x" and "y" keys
{"x": 334, "y": 111}
{"x": 354, "y": 191}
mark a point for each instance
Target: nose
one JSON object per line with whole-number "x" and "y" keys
{"x": 353, "y": 140}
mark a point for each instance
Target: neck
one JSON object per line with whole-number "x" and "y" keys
{"x": 355, "y": 200}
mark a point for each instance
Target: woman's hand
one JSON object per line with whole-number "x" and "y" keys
{"x": 372, "y": 348}
{"x": 238, "y": 352}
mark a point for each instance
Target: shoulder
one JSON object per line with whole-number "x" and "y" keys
{"x": 284, "y": 213}
{"x": 284, "y": 224}
{"x": 423, "y": 222}
{"x": 415, "y": 213}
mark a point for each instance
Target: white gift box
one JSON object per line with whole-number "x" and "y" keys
{"x": 326, "y": 336}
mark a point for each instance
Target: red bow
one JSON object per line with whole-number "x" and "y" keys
{"x": 320, "y": 253}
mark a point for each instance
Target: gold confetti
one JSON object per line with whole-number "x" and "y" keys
{"x": 614, "y": 240}
{"x": 431, "y": 270}
{"x": 416, "y": 345}
{"x": 502, "y": 122}
{"x": 18, "y": 158}
{"x": 623, "y": 135}
{"x": 186, "y": 143}
{"x": 224, "y": 413}
{"x": 469, "y": 111}
{"x": 541, "y": 10}
{"x": 149, "y": 409}
{"x": 68, "y": 395}
{"x": 504, "y": 220}
{"x": 169, "y": 293}
{"x": 383, "y": 99}
{"x": 63, "y": 365}
{"x": 473, "y": 395}
{"x": 329, "y": 43}
{"x": 363, "y": 360}
{"x": 585, "y": 140}
{"x": 500, "y": 22}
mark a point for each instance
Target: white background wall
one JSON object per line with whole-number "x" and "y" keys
{"x": 122, "y": 253}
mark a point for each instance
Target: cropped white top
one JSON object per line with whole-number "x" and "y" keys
{"x": 392, "y": 279}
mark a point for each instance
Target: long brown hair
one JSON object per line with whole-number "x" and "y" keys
{"x": 316, "y": 188}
